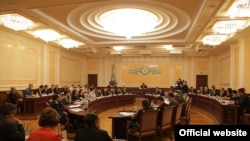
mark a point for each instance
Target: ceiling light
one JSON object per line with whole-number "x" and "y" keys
{"x": 118, "y": 48}
{"x": 169, "y": 47}
{"x": 16, "y": 22}
{"x": 214, "y": 40}
{"x": 228, "y": 27}
{"x": 47, "y": 34}
{"x": 239, "y": 8}
{"x": 69, "y": 43}
{"x": 128, "y": 22}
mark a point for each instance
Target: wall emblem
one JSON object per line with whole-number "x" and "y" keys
{"x": 144, "y": 71}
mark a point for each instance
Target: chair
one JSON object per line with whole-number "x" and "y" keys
{"x": 176, "y": 118}
{"x": 186, "y": 117}
{"x": 186, "y": 98}
{"x": 48, "y": 103}
{"x": 246, "y": 115}
{"x": 166, "y": 123}
{"x": 147, "y": 125}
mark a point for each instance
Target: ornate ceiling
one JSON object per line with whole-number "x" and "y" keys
{"x": 183, "y": 24}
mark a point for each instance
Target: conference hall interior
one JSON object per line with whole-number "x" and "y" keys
{"x": 195, "y": 49}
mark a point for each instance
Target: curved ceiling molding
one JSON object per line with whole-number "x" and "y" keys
{"x": 84, "y": 19}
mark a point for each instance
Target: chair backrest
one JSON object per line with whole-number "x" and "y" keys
{"x": 187, "y": 98}
{"x": 167, "y": 116}
{"x": 148, "y": 121}
{"x": 178, "y": 113}
{"x": 188, "y": 106}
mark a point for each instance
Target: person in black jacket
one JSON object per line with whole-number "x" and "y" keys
{"x": 17, "y": 99}
{"x": 92, "y": 132}
{"x": 135, "y": 119}
{"x": 11, "y": 128}
{"x": 162, "y": 105}
{"x": 242, "y": 101}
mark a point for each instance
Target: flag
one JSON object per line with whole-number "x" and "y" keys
{"x": 112, "y": 80}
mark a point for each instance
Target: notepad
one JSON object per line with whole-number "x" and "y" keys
{"x": 74, "y": 106}
{"x": 76, "y": 109}
{"x": 126, "y": 113}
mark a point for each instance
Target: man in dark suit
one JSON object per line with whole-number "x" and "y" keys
{"x": 143, "y": 86}
{"x": 92, "y": 132}
{"x": 242, "y": 101}
{"x": 11, "y": 128}
{"x": 15, "y": 98}
{"x": 192, "y": 90}
{"x": 213, "y": 91}
{"x": 39, "y": 90}
{"x": 162, "y": 105}
{"x": 59, "y": 107}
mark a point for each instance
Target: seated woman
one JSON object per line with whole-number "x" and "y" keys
{"x": 92, "y": 132}
{"x": 49, "y": 119}
{"x": 136, "y": 118}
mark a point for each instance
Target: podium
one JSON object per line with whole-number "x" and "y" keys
{"x": 143, "y": 91}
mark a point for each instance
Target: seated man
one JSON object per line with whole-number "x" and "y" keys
{"x": 59, "y": 107}
{"x": 242, "y": 101}
{"x": 143, "y": 86}
{"x": 162, "y": 105}
{"x": 92, "y": 132}
{"x": 136, "y": 118}
{"x": 65, "y": 116}
{"x": 39, "y": 90}
{"x": 15, "y": 98}
{"x": 67, "y": 98}
{"x": 11, "y": 128}
{"x": 28, "y": 91}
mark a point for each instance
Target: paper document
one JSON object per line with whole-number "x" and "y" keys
{"x": 126, "y": 113}
{"x": 74, "y": 106}
{"x": 77, "y": 109}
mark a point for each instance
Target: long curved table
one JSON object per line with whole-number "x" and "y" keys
{"x": 105, "y": 103}
{"x": 226, "y": 114}
{"x": 34, "y": 104}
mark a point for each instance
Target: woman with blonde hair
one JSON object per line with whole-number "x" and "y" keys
{"x": 49, "y": 119}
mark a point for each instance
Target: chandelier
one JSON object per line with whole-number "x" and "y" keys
{"x": 128, "y": 22}
{"x": 16, "y": 22}
{"x": 47, "y": 34}
{"x": 239, "y": 8}
{"x": 213, "y": 40}
{"x": 69, "y": 43}
{"x": 228, "y": 27}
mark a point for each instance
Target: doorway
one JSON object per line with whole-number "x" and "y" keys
{"x": 92, "y": 79}
{"x": 201, "y": 80}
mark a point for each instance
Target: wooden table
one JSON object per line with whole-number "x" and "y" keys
{"x": 225, "y": 114}
{"x": 35, "y": 104}
{"x": 119, "y": 125}
{"x": 108, "y": 102}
